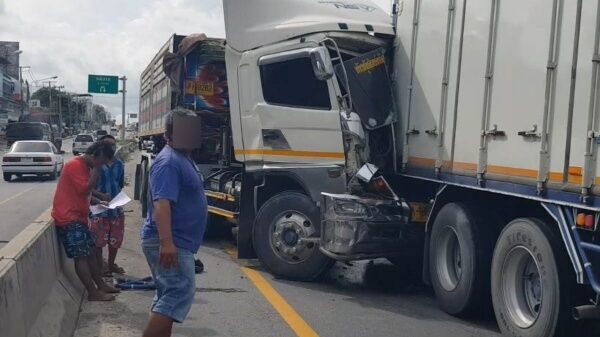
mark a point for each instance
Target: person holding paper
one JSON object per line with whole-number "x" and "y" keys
{"x": 173, "y": 230}
{"x": 108, "y": 227}
{"x": 70, "y": 209}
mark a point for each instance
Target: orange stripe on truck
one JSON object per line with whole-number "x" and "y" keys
{"x": 502, "y": 170}
{"x": 290, "y": 153}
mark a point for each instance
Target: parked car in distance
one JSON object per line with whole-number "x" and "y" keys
{"x": 32, "y": 157}
{"x": 81, "y": 143}
{"x": 100, "y": 133}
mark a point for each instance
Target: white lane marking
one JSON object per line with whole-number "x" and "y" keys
{"x": 15, "y": 196}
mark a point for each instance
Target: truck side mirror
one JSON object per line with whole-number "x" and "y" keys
{"x": 321, "y": 63}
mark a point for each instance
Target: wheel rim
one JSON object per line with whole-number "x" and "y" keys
{"x": 287, "y": 234}
{"x": 449, "y": 259}
{"x": 522, "y": 288}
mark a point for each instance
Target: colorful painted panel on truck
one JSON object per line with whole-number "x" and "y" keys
{"x": 205, "y": 85}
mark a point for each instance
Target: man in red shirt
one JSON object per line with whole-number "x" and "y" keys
{"x": 70, "y": 211}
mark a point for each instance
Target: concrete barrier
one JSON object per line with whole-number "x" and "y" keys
{"x": 40, "y": 294}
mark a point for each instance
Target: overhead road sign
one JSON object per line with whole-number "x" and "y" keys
{"x": 103, "y": 84}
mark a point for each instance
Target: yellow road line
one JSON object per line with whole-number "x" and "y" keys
{"x": 289, "y": 315}
{"x": 15, "y": 196}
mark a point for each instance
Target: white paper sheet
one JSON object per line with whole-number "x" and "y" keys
{"x": 120, "y": 199}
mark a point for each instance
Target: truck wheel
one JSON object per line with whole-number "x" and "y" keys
{"x": 136, "y": 186}
{"x": 459, "y": 259}
{"x": 144, "y": 188}
{"x": 530, "y": 287}
{"x": 7, "y": 177}
{"x": 281, "y": 224}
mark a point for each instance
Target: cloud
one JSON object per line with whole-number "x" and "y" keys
{"x": 72, "y": 39}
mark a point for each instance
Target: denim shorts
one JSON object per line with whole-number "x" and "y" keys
{"x": 176, "y": 286}
{"x": 77, "y": 240}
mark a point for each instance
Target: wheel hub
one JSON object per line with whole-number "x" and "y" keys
{"x": 288, "y": 231}
{"x": 522, "y": 287}
{"x": 449, "y": 260}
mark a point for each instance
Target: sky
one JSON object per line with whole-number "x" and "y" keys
{"x": 74, "y": 38}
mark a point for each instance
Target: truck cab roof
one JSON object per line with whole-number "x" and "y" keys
{"x": 252, "y": 24}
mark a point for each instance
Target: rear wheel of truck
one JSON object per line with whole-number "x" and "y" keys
{"x": 459, "y": 259}
{"x": 7, "y": 177}
{"x": 279, "y": 229}
{"x": 530, "y": 283}
{"x": 144, "y": 187}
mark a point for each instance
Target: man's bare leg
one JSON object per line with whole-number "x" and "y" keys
{"x": 98, "y": 251}
{"x": 96, "y": 276}
{"x": 82, "y": 268}
{"x": 158, "y": 326}
{"x": 112, "y": 255}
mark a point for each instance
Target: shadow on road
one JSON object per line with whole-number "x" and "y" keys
{"x": 32, "y": 178}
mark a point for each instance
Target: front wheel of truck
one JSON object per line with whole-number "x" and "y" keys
{"x": 281, "y": 228}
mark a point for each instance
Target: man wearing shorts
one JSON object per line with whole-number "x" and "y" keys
{"x": 70, "y": 210}
{"x": 108, "y": 227}
{"x": 172, "y": 231}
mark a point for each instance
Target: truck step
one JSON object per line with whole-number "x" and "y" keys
{"x": 220, "y": 196}
{"x": 222, "y": 212}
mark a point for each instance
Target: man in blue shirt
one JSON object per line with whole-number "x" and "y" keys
{"x": 173, "y": 231}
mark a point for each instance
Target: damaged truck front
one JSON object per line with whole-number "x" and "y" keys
{"x": 312, "y": 119}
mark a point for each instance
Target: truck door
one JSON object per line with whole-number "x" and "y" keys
{"x": 287, "y": 114}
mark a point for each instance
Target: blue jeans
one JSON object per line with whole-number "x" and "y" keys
{"x": 176, "y": 286}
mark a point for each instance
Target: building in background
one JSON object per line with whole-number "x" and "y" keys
{"x": 9, "y": 58}
{"x": 13, "y": 93}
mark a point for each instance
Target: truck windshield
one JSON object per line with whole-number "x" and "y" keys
{"x": 370, "y": 88}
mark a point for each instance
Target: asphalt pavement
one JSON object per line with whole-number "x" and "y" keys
{"x": 238, "y": 298}
{"x": 23, "y": 199}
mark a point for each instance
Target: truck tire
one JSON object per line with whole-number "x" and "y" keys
{"x": 144, "y": 188}
{"x": 459, "y": 260}
{"x": 7, "y": 177}
{"x": 281, "y": 222}
{"x": 528, "y": 302}
{"x": 136, "y": 186}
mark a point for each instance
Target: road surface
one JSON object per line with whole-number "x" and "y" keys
{"x": 23, "y": 200}
{"x": 238, "y": 298}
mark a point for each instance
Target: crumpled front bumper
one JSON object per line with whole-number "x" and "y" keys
{"x": 354, "y": 228}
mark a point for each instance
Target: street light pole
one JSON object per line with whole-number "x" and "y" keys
{"x": 124, "y": 91}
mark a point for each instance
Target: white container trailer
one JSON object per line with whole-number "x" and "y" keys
{"x": 499, "y": 111}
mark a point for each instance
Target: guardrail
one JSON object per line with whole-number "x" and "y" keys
{"x": 40, "y": 294}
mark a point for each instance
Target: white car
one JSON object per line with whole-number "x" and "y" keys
{"x": 32, "y": 157}
{"x": 82, "y": 142}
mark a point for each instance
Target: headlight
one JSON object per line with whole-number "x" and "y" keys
{"x": 350, "y": 208}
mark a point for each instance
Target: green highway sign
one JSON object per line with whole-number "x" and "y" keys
{"x": 103, "y": 84}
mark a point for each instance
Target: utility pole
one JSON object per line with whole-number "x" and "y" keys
{"x": 60, "y": 119}
{"x": 124, "y": 91}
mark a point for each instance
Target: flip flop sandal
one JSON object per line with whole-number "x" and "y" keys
{"x": 117, "y": 269}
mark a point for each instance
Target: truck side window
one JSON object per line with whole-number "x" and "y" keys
{"x": 293, "y": 83}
